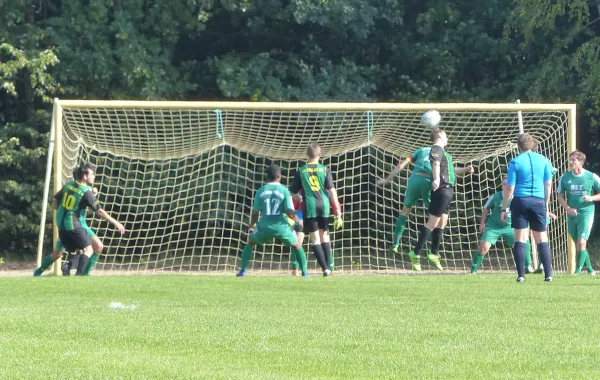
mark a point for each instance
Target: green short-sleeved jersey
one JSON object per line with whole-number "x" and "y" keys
{"x": 420, "y": 158}
{"x": 494, "y": 203}
{"x": 574, "y": 187}
{"x": 273, "y": 200}
{"x": 73, "y": 200}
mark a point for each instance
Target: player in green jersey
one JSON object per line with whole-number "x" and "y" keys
{"x": 71, "y": 203}
{"x": 577, "y": 190}
{"x": 316, "y": 180}
{"x": 272, "y": 203}
{"x": 418, "y": 188}
{"x": 442, "y": 192}
{"x": 494, "y": 228}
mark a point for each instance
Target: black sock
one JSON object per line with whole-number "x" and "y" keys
{"x": 519, "y": 252}
{"x": 423, "y": 237}
{"x": 436, "y": 240}
{"x": 327, "y": 253}
{"x": 545, "y": 257}
{"x": 83, "y": 263}
{"x": 318, "y": 252}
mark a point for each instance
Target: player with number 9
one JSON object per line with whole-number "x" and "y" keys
{"x": 315, "y": 180}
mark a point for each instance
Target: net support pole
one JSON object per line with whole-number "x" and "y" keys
{"x": 571, "y": 146}
{"x": 58, "y": 155}
{"x": 40, "y": 247}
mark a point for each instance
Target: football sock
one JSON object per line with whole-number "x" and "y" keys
{"x": 295, "y": 259}
{"x": 582, "y": 259}
{"x": 331, "y": 264}
{"x": 247, "y": 254}
{"x": 327, "y": 253}
{"x": 320, "y": 256}
{"x": 588, "y": 262}
{"x": 477, "y": 260}
{"x": 423, "y": 237}
{"x": 399, "y": 230}
{"x": 528, "y": 260}
{"x": 46, "y": 262}
{"x": 84, "y": 260}
{"x": 91, "y": 264}
{"x": 519, "y": 253}
{"x": 545, "y": 258}
{"x": 436, "y": 240}
{"x": 301, "y": 257}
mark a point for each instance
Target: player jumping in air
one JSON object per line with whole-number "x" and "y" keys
{"x": 272, "y": 203}
{"x": 71, "y": 203}
{"x": 577, "y": 190}
{"x": 315, "y": 180}
{"x": 442, "y": 193}
{"x": 418, "y": 188}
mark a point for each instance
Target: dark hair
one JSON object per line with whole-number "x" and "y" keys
{"x": 82, "y": 170}
{"x": 273, "y": 172}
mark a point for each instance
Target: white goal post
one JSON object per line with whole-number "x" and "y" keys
{"x": 181, "y": 176}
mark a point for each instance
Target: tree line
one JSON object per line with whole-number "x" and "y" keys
{"x": 278, "y": 50}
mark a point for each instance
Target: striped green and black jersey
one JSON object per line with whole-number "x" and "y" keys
{"x": 73, "y": 199}
{"x": 314, "y": 180}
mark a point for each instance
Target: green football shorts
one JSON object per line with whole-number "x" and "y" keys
{"x": 419, "y": 187}
{"x": 265, "y": 232}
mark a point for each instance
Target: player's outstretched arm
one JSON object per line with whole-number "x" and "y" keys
{"x": 393, "y": 173}
{"x": 104, "y": 215}
{"x": 466, "y": 170}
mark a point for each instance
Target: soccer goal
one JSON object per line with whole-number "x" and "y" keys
{"x": 181, "y": 176}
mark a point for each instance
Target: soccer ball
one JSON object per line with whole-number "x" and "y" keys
{"x": 431, "y": 118}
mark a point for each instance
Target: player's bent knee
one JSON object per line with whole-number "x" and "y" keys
{"x": 97, "y": 246}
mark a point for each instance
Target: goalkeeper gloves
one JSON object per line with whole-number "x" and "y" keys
{"x": 338, "y": 223}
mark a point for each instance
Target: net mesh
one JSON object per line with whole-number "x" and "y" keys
{"x": 182, "y": 181}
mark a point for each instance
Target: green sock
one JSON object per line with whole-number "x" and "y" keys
{"x": 528, "y": 260}
{"x": 581, "y": 259}
{"x": 247, "y": 254}
{"x": 477, "y": 260}
{"x": 294, "y": 259}
{"x": 301, "y": 256}
{"x": 46, "y": 262}
{"x": 588, "y": 262}
{"x": 91, "y": 264}
{"x": 331, "y": 266}
{"x": 399, "y": 230}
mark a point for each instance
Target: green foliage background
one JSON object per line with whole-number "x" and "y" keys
{"x": 278, "y": 50}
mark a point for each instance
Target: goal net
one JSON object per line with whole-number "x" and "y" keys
{"x": 181, "y": 177}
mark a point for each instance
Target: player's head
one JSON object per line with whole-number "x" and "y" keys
{"x": 273, "y": 173}
{"x": 526, "y": 142}
{"x": 85, "y": 173}
{"x": 439, "y": 137}
{"x": 313, "y": 151}
{"x": 576, "y": 159}
{"x": 504, "y": 181}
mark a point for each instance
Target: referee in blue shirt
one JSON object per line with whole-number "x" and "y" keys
{"x": 529, "y": 181}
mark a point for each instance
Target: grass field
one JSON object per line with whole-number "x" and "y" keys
{"x": 218, "y": 327}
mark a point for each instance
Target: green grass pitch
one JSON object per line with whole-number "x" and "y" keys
{"x": 268, "y": 327}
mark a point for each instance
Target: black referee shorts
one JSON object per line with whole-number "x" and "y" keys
{"x": 441, "y": 199}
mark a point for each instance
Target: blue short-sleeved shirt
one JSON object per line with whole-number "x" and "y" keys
{"x": 528, "y": 173}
